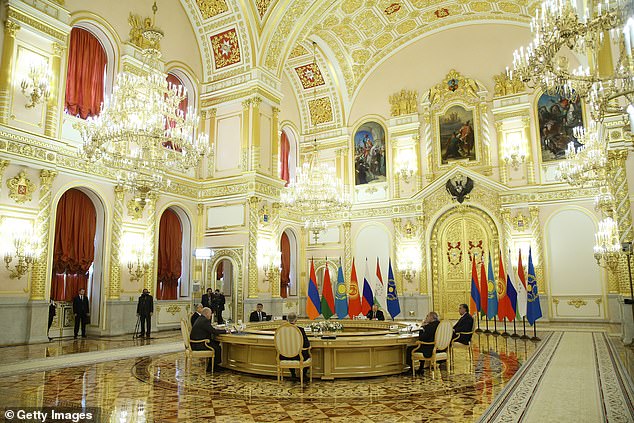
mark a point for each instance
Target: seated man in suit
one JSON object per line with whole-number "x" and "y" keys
{"x": 464, "y": 324}
{"x": 427, "y": 333}
{"x": 196, "y": 314}
{"x": 292, "y": 319}
{"x": 258, "y": 315}
{"x": 375, "y": 313}
{"x": 203, "y": 329}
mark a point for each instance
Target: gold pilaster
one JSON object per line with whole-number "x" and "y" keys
{"x": 246, "y": 131}
{"x": 152, "y": 222}
{"x": 252, "y": 251}
{"x": 419, "y": 162}
{"x": 347, "y": 250}
{"x": 530, "y": 164}
{"x": 6, "y": 67}
{"x": 256, "y": 141}
{"x": 211, "y": 116}
{"x": 114, "y": 291}
{"x": 538, "y": 249}
{"x": 397, "y": 178}
{"x": 504, "y": 173}
{"x": 275, "y": 143}
{"x": 53, "y": 106}
{"x": 40, "y": 273}
{"x": 275, "y": 233}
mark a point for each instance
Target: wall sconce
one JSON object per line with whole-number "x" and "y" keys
{"x": 18, "y": 242}
{"x": 36, "y": 85}
{"x": 405, "y": 167}
{"x": 408, "y": 261}
{"x": 514, "y": 153}
{"x": 269, "y": 258}
{"x": 136, "y": 256}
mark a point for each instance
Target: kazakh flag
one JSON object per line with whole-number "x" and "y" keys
{"x": 313, "y": 304}
{"x": 327, "y": 299}
{"x": 393, "y": 306}
{"x": 341, "y": 295}
{"x": 533, "y": 308}
{"x": 492, "y": 295}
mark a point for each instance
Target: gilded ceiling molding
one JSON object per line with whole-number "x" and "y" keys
{"x": 210, "y": 8}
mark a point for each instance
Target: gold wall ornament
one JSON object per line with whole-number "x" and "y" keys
{"x": 173, "y": 309}
{"x": 135, "y": 208}
{"x": 3, "y": 166}
{"x": 320, "y": 110}
{"x": 507, "y": 86}
{"x": 403, "y": 103}
{"x": 454, "y": 85}
{"x": 520, "y": 222}
{"x": 577, "y": 302}
{"x": 210, "y": 8}
{"x": 226, "y": 48}
{"x": 137, "y": 26}
{"x": 262, "y": 6}
{"x": 20, "y": 188}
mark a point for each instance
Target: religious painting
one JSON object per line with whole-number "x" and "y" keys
{"x": 369, "y": 154}
{"x": 457, "y": 137}
{"x": 557, "y": 116}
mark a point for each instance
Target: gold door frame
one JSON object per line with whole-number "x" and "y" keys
{"x": 439, "y": 283}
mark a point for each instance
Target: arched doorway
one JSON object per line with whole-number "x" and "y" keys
{"x": 459, "y": 235}
{"x": 227, "y": 263}
{"x": 77, "y": 255}
{"x": 173, "y": 255}
{"x": 288, "y": 273}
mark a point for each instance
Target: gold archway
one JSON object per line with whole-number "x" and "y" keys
{"x": 459, "y": 234}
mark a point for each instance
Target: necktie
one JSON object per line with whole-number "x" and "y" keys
{"x": 260, "y": 316}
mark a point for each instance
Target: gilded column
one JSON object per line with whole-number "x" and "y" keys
{"x": 40, "y": 272}
{"x": 114, "y": 291}
{"x": 618, "y": 281}
{"x": 347, "y": 250}
{"x": 504, "y": 173}
{"x": 275, "y": 143}
{"x": 419, "y": 162}
{"x": 52, "y": 107}
{"x": 152, "y": 222}
{"x": 246, "y": 132}
{"x": 302, "y": 283}
{"x": 253, "y": 249}
{"x": 397, "y": 185}
{"x": 530, "y": 163}
{"x": 255, "y": 133}
{"x": 420, "y": 233}
{"x": 275, "y": 230}
{"x": 8, "y": 47}
{"x": 537, "y": 251}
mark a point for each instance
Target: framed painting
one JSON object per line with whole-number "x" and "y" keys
{"x": 369, "y": 154}
{"x": 457, "y": 135}
{"x": 557, "y": 116}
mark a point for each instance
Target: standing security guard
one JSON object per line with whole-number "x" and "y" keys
{"x": 144, "y": 310}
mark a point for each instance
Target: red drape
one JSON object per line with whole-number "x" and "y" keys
{"x": 74, "y": 245}
{"x": 220, "y": 270}
{"x": 285, "y": 148}
{"x": 285, "y": 274}
{"x": 84, "y": 80}
{"x": 170, "y": 255}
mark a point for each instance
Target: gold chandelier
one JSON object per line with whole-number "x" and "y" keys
{"x": 141, "y": 131}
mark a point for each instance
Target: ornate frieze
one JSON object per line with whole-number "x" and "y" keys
{"x": 403, "y": 102}
{"x": 20, "y": 188}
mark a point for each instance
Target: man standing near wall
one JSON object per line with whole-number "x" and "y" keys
{"x": 81, "y": 310}
{"x": 144, "y": 310}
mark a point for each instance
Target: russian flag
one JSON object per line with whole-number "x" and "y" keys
{"x": 368, "y": 297}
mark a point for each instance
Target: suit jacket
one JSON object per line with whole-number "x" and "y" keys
{"x": 202, "y": 329}
{"x": 81, "y": 308}
{"x": 379, "y": 315}
{"x": 206, "y": 300}
{"x": 145, "y": 305}
{"x": 464, "y": 324}
{"x": 195, "y": 317}
{"x": 428, "y": 334}
{"x": 253, "y": 317}
{"x": 218, "y": 301}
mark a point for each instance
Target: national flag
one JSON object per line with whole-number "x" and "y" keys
{"x": 380, "y": 294}
{"x": 522, "y": 295}
{"x": 505, "y": 310}
{"x": 341, "y": 295}
{"x": 492, "y": 296}
{"x": 511, "y": 287}
{"x": 354, "y": 301}
{"x": 393, "y": 306}
{"x": 368, "y": 298}
{"x": 533, "y": 308}
{"x": 483, "y": 288}
{"x": 313, "y": 304}
{"x": 474, "y": 303}
{"x": 327, "y": 299}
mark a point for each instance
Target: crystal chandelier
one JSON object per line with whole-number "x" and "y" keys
{"x": 587, "y": 162}
{"x": 141, "y": 131}
{"x": 561, "y": 25}
{"x": 607, "y": 247}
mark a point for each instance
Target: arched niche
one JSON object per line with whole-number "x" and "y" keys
{"x": 184, "y": 285}
{"x": 292, "y": 155}
{"x": 234, "y": 305}
{"x": 289, "y": 249}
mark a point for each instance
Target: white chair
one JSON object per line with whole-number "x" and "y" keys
{"x": 460, "y": 345}
{"x": 442, "y": 341}
{"x": 189, "y": 353}
{"x": 289, "y": 344}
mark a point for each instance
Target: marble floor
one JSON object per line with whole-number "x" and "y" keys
{"x": 158, "y": 389}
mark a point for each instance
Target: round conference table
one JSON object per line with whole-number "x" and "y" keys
{"x": 364, "y": 348}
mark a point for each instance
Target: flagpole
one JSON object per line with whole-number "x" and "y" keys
{"x": 514, "y": 335}
{"x": 505, "y": 333}
{"x": 487, "y": 329}
{"x": 478, "y": 330}
{"x": 495, "y": 327}
{"x": 524, "y": 323}
{"x": 535, "y": 338}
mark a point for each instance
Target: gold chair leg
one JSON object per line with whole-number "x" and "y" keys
{"x": 213, "y": 364}
{"x": 301, "y": 376}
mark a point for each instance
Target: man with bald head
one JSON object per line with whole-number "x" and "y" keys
{"x": 203, "y": 330}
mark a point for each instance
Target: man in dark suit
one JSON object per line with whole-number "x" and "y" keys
{"x": 202, "y": 330}
{"x": 81, "y": 310}
{"x": 258, "y": 315}
{"x": 207, "y": 298}
{"x": 464, "y": 324}
{"x": 427, "y": 333}
{"x": 218, "y": 302}
{"x": 196, "y": 314}
{"x": 292, "y": 319}
{"x": 375, "y": 313}
{"x": 145, "y": 309}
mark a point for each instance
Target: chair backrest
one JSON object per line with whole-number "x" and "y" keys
{"x": 444, "y": 334}
{"x": 185, "y": 333}
{"x": 473, "y": 328}
{"x": 288, "y": 340}
{"x": 189, "y": 322}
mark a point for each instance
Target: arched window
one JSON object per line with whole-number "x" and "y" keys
{"x": 86, "y": 74}
{"x": 170, "y": 256}
{"x": 74, "y": 245}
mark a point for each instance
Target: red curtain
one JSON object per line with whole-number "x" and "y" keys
{"x": 84, "y": 80}
{"x": 74, "y": 245}
{"x": 285, "y": 148}
{"x": 220, "y": 270}
{"x": 285, "y": 274}
{"x": 170, "y": 255}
